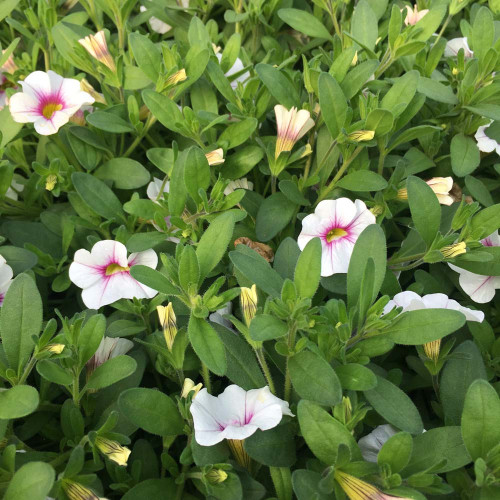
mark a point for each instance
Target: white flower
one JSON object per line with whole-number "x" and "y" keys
{"x": 156, "y": 187}
{"x": 238, "y": 184}
{"x": 411, "y": 301}
{"x": 453, "y": 47}
{"x": 338, "y": 223}
{"x": 414, "y": 16}
{"x": 48, "y": 100}
{"x": 235, "y": 414}
{"x": 371, "y": 444}
{"x": 104, "y": 273}
{"x": 109, "y": 348}
{"x": 480, "y": 288}
{"x": 235, "y": 68}
{"x": 484, "y": 143}
{"x": 157, "y": 25}
{"x": 6, "y": 274}
{"x": 218, "y": 316}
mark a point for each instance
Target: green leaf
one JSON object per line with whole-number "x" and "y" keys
{"x": 274, "y": 447}
{"x": 436, "y": 91}
{"x": 189, "y": 269}
{"x": 239, "y": 132}
{"x": 401, "y": 93}
{"x": 242, "y": 161}
{"x": 278, "y": 85}
{"x": 491, "y": 111}
{"x": 97, "y": 196}
{"x": 273, "y": 215}
{"x": 370, "y": 244}
{"x": 152, "y": 411}
{"x": 362, "y": 180}
{"x": 333, "y": 104}
{"x": 480, "y": 429}
{"x": 354, "y": 377}
{"x": 18, "y": 401}
{"x": 396, "y": 451}
{"x": 479, "y": 190}
{"x": 196, "y": 173}
{"x": 379, "y": 120}
{"x": 207, "y": 345}
{"x": 364, "y": 24}
{"x": 461, "y": 370}
{"x": 390, "y": 402}
{"x": 110, "y": 372}
{"x": 412, "y": 134}
{"x": 266, "y": 327}
{"x": 213, "y": 244}
{"x": 483, "y": 33}
{"x": 424, "y": 325}
{"x": 146, "y": 55}
{"x": 306, "y": 485}
{"x": 357, "y": 77}
{"x": 32, "y": 481}
{"x": 159, "y": 489}
{"x": 220, "y": 81}
{"x": 164, "y": 109}
{"x": 20, "y": 320}
{"x": 19, "y": 259}
{"x": 90, "y": 338}
{"x": 424, "y": 207}
{"x": 124, "y": 172}
{"x": 54, "y": 372}
{"x": 304, "y": 22}
{"x": 154, "y": 279}
{"x": 486, "y": 222}
{"x": 314, "y": 379}
{"x": 308, "y": 269}
{"x": 324, "y": 434}
{"x": 109, "y": 122}
{"x": 464, "y": 155}
{"x": 6, "y": 7}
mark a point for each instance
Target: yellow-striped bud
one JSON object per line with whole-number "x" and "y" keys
{"x": 432, "y": 349}
{"x": 50, "y": 182}
{"x": 356, "y": 489}
{"x": 248, "y": 300}
{"x": 76, "y": 491}
{"x": 452, "y": 251}
{"x": 97, "y": 47}
{"x": 177, "y": 77}
{"x": 113, "y": 450}
{"x": 55, "y": 348}
{"x": 454, "y": 71}
{"x": 190, "y": 387}
{"x": 168, "y": 322}
{"x": 216, "y": 476}
{"x": 237, "y": 448}
{"x": 355, "y": 59}
{"x": 361, "y": 135}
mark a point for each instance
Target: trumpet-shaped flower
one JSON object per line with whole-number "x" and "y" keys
{"x": 480, "y": 288}
{"x": 109, "y": 348}
{"x": 238, "y": 184}
{"x": 48, "y": 101}
{"x": 113, "y": 450}
{"x": 484, "y": 143}
{"x": 291, "y": 126}
{"x": 414, "y": 16}
{"x": 104, "y": 273}
{"x": 440, "y": 185}
{"x": 156, "y": 188}
{"x": 215, "y": 157}
{"x": 97, "y": 47}
{"x": 338, "y": 223}
{"x": 454, "y": 45}
{"x": 6, "y": 274}
{"x": 372, "y": 443}
{"x": 235, "y": 414}
{"x": 235, "y": 68}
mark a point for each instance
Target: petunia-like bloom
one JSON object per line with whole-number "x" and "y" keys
{"x": 113, "y": 450}
{"x": 480, "y": 288}
{"x": 104, "y": 273}
{"x": 6, "y": 274}
{"x": 291, "y": 126}
{"x": 215, "y": 157}
{"x": 238, "y": 184}
{"x": 235, "y": 68}
{"x": 156, "y": 188}
{"x": 235, "y": 414}
{"x": 338, "y": 223}
{"x": 414, "y": 16}
{"x": 440, "y": 185}
{"x": 357, "y": 489}
{"x": 97, "y": 47}
{"x": 454, "y": 45}
{"x": 48, "y": 101}
{"x": 109, "y": 348}
{"x": 484, "y": 143}
{"x": 372, "y": 443}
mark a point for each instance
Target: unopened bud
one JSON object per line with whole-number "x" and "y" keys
{"x": 190, "y": 387}
{"x": 431, "y": 350}
{"x": 177, "y": 77}
{"x": 215, "y": 157}
{"x": 168, "y": 322}
{"x": 113, "y": 450}
{"x": 248, "y": 300}
{"x": 55, "y": 348}
{"x": 361, "y": 135}
{"x": 452, "y": 251}
{"x": 50, "y": 182}
{"x": 216, "y": 476}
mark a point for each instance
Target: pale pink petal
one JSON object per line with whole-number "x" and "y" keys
{"x": 37, "y": 84}
{"x": 6, "y": 273}
{"x": 145, "y": 258}
{"x": 107, "y": 252}
{"x": 24, "y": 108}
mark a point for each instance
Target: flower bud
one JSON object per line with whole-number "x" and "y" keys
{"x": 9, "y": 65}
{"x": 190, "y": 387}
{"x": 291, "y": 125}
{"x": 177, "y": 77}
{"x": 432, "y": 349}
{"x": 248, "y": 300}
{"x": 113, "y": 450}
{"x": 50, "y": 182}
{"x": 86, "y": 87}
{"x": 55, "y": 348}
{"x": 216, "y": 476}
{"x": 215, "y": 157}
{"x": 77, "y": 491}
{"x": 452, "y": 251}
{"x": 361, "y": 135}
{"x": 168, "y": 322}
{"x": 97, "y": 47}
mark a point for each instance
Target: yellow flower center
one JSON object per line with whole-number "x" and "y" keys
{"x": 50, "y": 108}
{"x": 115, "y": 268}
{"x": 335, "y": 234}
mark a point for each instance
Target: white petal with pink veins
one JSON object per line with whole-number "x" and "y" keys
{"x": 145, "y": 258}
{"x": 24, "y": 108}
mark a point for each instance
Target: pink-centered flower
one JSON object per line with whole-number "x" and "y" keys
{"x": 6, "y": 274}
{"x": 338, "y": 223}
{"x": 478, "y": 287}
{"x": 291, "y": 126}
{"x": 414, "y": 16}
{"x": 104, "y": 273}
{"x": 48, "y": 101}
{"x": 235, "y": 414}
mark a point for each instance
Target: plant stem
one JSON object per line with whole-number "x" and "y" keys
{"x": 76, "y": 389}
{"x": 27, "y": 371}
{"x": 291, "y": 344}
{"x": 205, "y": 373}
{"x": 265, "y": 369}
{"x": 150, "y": 121}
{"x": 406, "y": 258}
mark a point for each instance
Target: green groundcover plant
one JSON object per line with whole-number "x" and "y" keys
{"x": 249, "y": 249}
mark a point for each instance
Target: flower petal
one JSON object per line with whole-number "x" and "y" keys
{"x": 146, "y": 258}
{"x": 24, "y": 108}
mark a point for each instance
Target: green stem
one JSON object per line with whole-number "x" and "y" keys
{"x": 27, "y": 371}
{"x": 265, "y": 369}
{"x": 406, "y": 258}
{"x": 291, "y": 344}
{"x": 205, "y": 373}
{"x": 150, "y": 121}
{"x": 441, "y": 31}
{"x": 381, "y": 160}
{"x": 76, "y": 389}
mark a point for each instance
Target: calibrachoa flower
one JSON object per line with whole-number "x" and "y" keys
{"x": 109, "y": 348}
{"x": 156, "y": 188}
{"x": 238, "y": 184}
{"x": 235, "y": 414}
{"x": 48, "y": 101}
{"x": 215, "y": 157}
{"x": 440, "y": 185}
{"x": 372, "y": 443}
{"x": 235, "y": 68}
{"x": 159, "y": 26}
{"x": 338, "y": 223}
{"x": 6, "y": 274}
{"x": 168, "y": 323}
{"x": 414, "y": 16}
{"x": 484, "y": 143}
{"x": 480, "y": 288}
{"x": 291, "y": 126}
{"x": 97, "y": 47}
{"x": 104, "y": 273}
{"x": 113, "y": 450}
{"x": 356, "y": 489}
{"x": 454, "y": 45}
